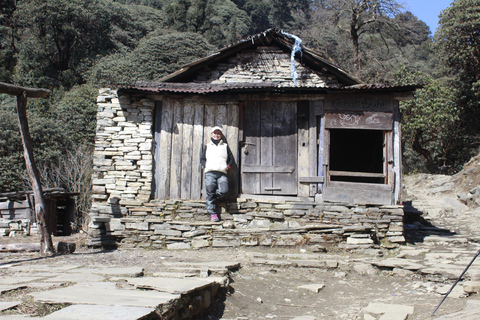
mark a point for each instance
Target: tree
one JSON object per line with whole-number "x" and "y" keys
{"x": 7, "y": 39}
{"x": 60, "y": 35}
{"x": 430, "y": 125}
{"x": 12, "y": 164}
{"x": 282, "y": 13}
{"x": 155, "y": 56}
{"x": 458, "y": 37}
{"x": 384, "y": 39}
{"x": 221, "y": 22}
{"x": 76, "y": 111}
{"x": 358, "y": 17}
{"x": 258, "y": 11}
{"x": 458, "y": 45}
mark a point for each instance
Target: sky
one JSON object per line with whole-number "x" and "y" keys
{"x": 427, "y": 10}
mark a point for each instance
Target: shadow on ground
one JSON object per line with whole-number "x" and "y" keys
{"x": 416, "y": 228}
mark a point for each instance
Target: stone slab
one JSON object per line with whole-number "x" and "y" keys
{"x": 76, "y": 277}
{"x": 457, "y": 291}
{"x": 441, "y": 256}
{"x": 41, "y": 285}
{"x": 398, "y": 263}
{"x": 445, "y": 270}
{"x": 18, "y": 279}
{"x": 43, "y": 268}
{"x": 9, "y": 304}
{"x": 175, "y": 274}
{"x": 5, "y": 287}
{"x": 389, "y": 311}
{"x": 179, "y": 246}
{"x": 15, "y": 317}
{"x": 444, "y": 239}
{"x": 471, "y": 286}
{"x": 104, "y": 293}
{"x": 95, "y": 312}
{"x": 310, "y": 263}
{"x": 210, "y": 265}
{"x": 312, "y": 287}
{"x": 274, "y": 263}
{"x": 115, "y": 271}
{"x": 412, "y": 253}
{"x": 172, "y": 285}
{"x": 7, "y": 264}
{"x": 470, "y": 312}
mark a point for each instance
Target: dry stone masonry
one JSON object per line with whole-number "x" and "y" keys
{"x": 124, "y": 214}
{"x": 123, "y": 152}
{"x": 264, "y": 64}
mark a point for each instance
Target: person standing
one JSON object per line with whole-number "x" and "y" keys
{"x": 216, "y": 159}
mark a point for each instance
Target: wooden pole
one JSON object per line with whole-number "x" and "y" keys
{"x": 46, "y": 244}
{"x": 17, "y": 90}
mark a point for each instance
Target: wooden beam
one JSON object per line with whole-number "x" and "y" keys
{"x": 356, "y": 174}
{"x": 267, "y": 169}
{"x": 362, "y": 193}
{"x": 311, "y": 179}
{"x": 17, "y": 90}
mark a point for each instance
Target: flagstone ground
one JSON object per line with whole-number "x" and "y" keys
{"x": 408, "y": 281}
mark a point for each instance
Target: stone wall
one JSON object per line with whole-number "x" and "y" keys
{"x": 123, "y": 153}
{"x": 264, "y": 64}
{"x": 184, "y": 224}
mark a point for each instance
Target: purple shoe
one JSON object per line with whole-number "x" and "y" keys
{"x": 214, "y": 217}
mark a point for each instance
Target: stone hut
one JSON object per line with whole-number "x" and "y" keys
{"x": 318, "y": 155}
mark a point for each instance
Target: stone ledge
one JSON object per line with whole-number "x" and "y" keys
{"x": 260, "y": 223}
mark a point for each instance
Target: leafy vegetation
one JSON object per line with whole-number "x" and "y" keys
{"x": 73, "y": 47}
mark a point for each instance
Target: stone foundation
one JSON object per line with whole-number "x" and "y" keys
{"x": 185, "y": 224}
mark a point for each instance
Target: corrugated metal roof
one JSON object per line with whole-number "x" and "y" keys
{"x": 207, "y": 88}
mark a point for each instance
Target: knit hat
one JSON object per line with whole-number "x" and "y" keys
{"x": 216, "y": 128}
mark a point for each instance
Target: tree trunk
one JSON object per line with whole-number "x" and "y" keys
{"x": 40, "y": 207}
{"x": 417, "y": 146}
{"x": 356, "y": 47}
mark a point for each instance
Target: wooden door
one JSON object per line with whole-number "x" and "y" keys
{"x": 269, "y": 148}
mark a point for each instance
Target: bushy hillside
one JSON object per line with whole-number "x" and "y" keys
{"x": 74, "y": 47}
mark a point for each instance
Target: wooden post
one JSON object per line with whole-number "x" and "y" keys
{"x": 40, "y": 206}
{"x": 46, "y": 243}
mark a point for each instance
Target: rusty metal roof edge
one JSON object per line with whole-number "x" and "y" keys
{"x": 206, "y": 88}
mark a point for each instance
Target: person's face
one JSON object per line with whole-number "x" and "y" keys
{"x": 217, "y": 135}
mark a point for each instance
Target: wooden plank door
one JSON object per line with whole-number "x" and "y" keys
{"x": 269, "y": 149}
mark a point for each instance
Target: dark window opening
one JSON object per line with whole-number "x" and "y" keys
{"x": 357, "y": 151}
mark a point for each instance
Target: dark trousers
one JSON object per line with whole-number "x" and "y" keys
{"x": 216, "y": 185}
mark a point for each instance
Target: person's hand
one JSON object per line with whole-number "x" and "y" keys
{"x": 228, "y": 167}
